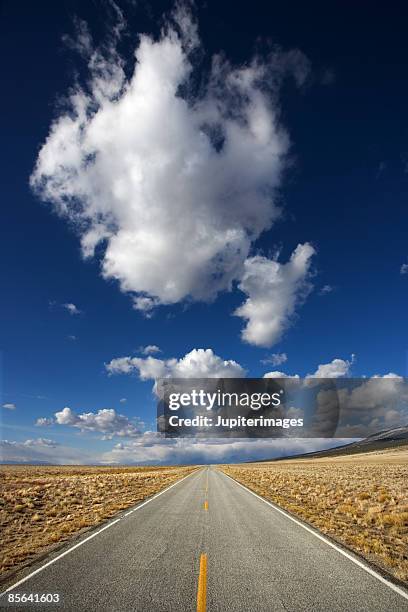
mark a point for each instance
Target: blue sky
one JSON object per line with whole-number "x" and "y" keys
{"x": 335, "y": 93}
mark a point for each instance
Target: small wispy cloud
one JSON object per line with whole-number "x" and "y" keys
{"x": 9, "y": 406}
{"x": 68, "y": 306}
{"x": 71, "y": 308}
{"x": 328, "y": 77}
{"x": 150, "y": 349}
{"x": 41, "y": 442}
{"x": 44, "y": 422}
{"x": 123, "y": 400}
{"x": 326, "y": 289}
{"x": 404, "y": 268}
{"x": 382, "y": 166}
{"x": 72, "y": 338}
{"x": 275, "y": 359}
{"x": 42, "y": 450}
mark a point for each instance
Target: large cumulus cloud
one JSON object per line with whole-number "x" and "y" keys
{"x": 175, "y": 187}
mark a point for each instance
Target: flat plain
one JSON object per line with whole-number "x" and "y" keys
{"x": 359, "y": 500}
{"x": 42, "y": 506}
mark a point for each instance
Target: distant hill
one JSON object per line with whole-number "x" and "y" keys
{"x": 390, "y": 438}
{"x": 390, "y": 435}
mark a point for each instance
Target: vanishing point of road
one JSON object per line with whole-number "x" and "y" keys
{"x": 207, "y": 544}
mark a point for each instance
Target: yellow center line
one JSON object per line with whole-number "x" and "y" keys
{"x": 202, "y": 585}
{"x": 206, "y": 505}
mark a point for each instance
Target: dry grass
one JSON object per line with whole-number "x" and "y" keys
{"x": 41, "y": 506}
{"x": 360, "y": 501}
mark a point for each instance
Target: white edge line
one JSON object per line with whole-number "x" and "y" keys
{"x": 40, "y": 569}
{"x": 365, "y": 567}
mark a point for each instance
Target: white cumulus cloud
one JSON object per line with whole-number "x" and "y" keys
{"x": 335, "y": 369}
{"x": 198, "y": 363}
{"x": 278, "y": 374}
{"x": 175, "y": 187}
{"x": 274, "y": 290}
{"x": 375, "y": 404}
{"x": 105, "y": 421}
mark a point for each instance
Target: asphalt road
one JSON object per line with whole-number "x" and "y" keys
{"x": 207, "y": 543}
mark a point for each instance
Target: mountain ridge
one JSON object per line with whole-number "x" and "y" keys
{"x": 381, "y": 440}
